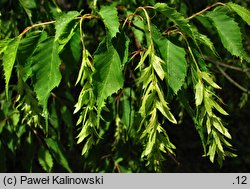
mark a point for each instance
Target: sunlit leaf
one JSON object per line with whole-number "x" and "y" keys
{"x": 110, "y": 19}
{"x": 108, "y": 77}
{"x": 230, "y": 35}
{"x": 174, "y": 58}
{"x": 9, "y": 58}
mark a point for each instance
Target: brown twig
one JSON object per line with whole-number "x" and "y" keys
{"x": 232, "y": 81}
{"x": 86, "y": 16}
{"x": 204, "y": 10}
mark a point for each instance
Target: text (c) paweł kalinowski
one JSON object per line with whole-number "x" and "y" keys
{"x": 61, "y": 180}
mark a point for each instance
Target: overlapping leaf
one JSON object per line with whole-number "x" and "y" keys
{"x": 64, "y": 31}
{"x": 174, "y": 57}
{"x": 27, "y": 47}
{"x": 108, "y": 77}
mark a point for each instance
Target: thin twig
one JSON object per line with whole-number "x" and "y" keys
{"x": 243, "y": 70}
{"x": 204, "y": 10}
{"x": 232, "y": 81}
{"x": 86, "y": 16}
{"x": 35, "y": 25}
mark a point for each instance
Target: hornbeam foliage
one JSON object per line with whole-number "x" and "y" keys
{"x": 122, "y": 85}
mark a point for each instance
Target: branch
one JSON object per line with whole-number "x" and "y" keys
{"x": 232, "y": 81}
{"x": 204, "y": 10}
{"x": 86, "y": 16}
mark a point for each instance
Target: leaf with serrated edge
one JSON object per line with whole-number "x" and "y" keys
{"x": 174, "y": 58}
{"x": 175, "y": 16}
{"x": 110, "y": 19}
{"x": 241, "y": 11}
{"x": 108, "y": 77}
{"x": 62, "y": 23}
{"x": 229, "y": 33}
{"x": 45, "y": 65}
{"x": 9, "y": 58}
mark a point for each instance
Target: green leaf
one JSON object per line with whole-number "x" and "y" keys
{"x": 229, "y": 33}
{"x": 45, "y": 159}
{"x": 110, "y": 19}
{"x": 174, "y": 58}
{"x": 65, "y": 28}
{"x": 57, "y": 152}
{"x": 75, "y": 43}
{"x": 9, "y": 58}
{"x": 139, "y": 34}
{"x": 175, "y": 16}
{"x": 157, "y": 65}
{"x": 108, "y": 77}
{"x": 45, "y": 65}
{"x": 241, "y": 11}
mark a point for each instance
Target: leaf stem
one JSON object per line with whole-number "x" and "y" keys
{"x": 204, "y": 10}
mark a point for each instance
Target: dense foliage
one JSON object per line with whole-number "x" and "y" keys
{"x": 97, "y": 85}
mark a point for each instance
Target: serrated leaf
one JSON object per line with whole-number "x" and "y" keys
{"x": 57, "y": 153}
{"x": 199, "y": 90}
{"x": 45, "y": 159}
{"x": 108, "y": 77}
{"x": 229, "y": 33}
{"x": 27, "y": 47}
{"x": 241, "y": 11}
{"x": 175, "y": 16}
{"x": 64, "y": 31}
{"x": 174, "y": 58}
{"x": 9, "y": 58}
{"x": 45, "y": 66}
{"x": 110, "y": 19}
